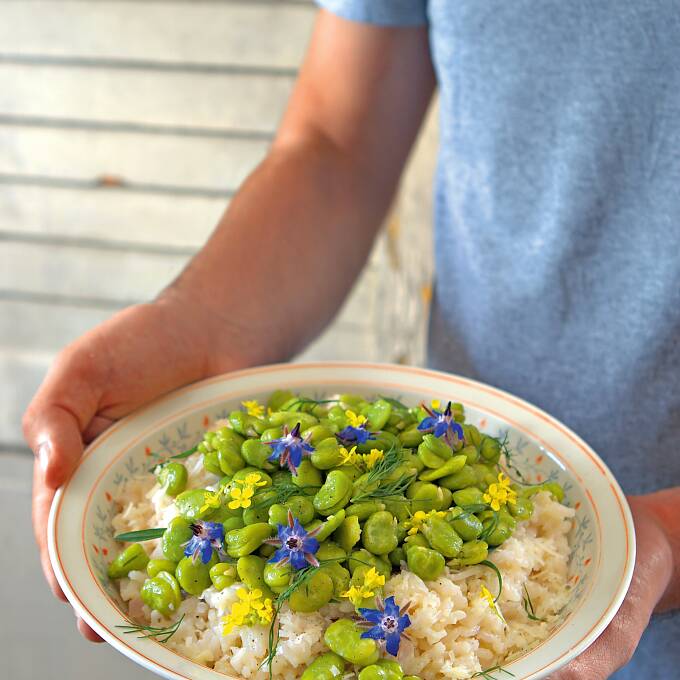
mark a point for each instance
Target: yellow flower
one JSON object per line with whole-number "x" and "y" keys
{"x": 241, "y": 497}
{"x": 249, "y": 611}
{"x": 213, "y": 500}
{"x": 370, "y": 459}
{"x": 253, "y": 408}
{"x": 416, "y": 522}
{"x": 355, "y": 420}
{"x": 487, "y": 595}
{"x": 252, "y": 479}
{"x": 436, "y": 404}
{"x": 499, "y": 494}
{"x": 372, "y": 581}
{"x": 350, "y": 457}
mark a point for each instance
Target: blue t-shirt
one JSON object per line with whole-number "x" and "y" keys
{"x": 557, "y": 238}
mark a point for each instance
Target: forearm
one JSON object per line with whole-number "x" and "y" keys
{"x": 664, "y": 507}
{"x": 286, "y": 252}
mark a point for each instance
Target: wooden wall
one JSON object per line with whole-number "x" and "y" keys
{"x": 125, "y": 126}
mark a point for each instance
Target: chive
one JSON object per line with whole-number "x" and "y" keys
{"x": 491, "y": 565}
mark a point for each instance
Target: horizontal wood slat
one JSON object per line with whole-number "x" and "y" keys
{"x": 247, "y": 33}
{"x": 210, "y": 101}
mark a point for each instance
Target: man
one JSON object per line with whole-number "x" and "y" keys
{"x": 557, "y": 240}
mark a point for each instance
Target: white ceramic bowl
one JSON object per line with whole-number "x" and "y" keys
{"x": 603, "y": 543}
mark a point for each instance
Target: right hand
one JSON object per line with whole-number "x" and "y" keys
{"x": 137, "y": 355}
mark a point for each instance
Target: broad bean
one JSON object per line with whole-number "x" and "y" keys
{"x": 332, "y": 523}
{"x": 256, "y": 453}
{"x": 344, "y": 638}
{"x": 328, "y": 666}
{"x": 173, "y": 478}
{"x": 241, "y": 542}
{"x": 277, "y": 575}
{"x": 465, "y": 523}
{"x": 193, "y": 575}
{"x": 441, "y": 536}
{"x": 334, "y": 494}
{"x": 434, "y": 452}
{"x": 348, "y": 533}
{"x": 175, "y": 537}
{"x": 424, "y": 562}
{"x": 307, "y": 475}
{"x": 162, "y": 593}
{"x": 250, "y": 570}
{"x": 383, "y": 669}
{"x": 313, "y": 594}
{"x": 155, "y": 566}
{"x": 133, "y": 558}
{"x": 380, "y": 533}
{"x": 472, "y": 552}
{"x": 222, "y": 575}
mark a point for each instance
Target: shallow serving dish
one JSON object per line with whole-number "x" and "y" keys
{"x": 602, "y": 537}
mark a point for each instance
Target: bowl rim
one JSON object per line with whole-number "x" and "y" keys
{"x": 174, "y": 398}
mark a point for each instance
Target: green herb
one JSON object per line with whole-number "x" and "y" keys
{"x": 280, "y": 493}
{"x": 139, "y": 536}
{"x": 178, "y": 456}
{"x": 385, "y": 466}
{"x": 505, "y": 450}
{"x": 395, "y": 488}
{"x": 160, "y": 634}
{"x": 529, "y": 606}
{"x": 473, "y": 509}
{"x": 491, "y": 527}
{"x": 487, "y": 673}
{"x": 491, "y": 565}
{"x": 303, "y": 401}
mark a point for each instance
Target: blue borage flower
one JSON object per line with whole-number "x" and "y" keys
{"x": 388, "y": 622}
{"x": 295, "y": 545}
{"x": 208, "y": 536}
{"x": 441, "y": 424}
{"x": 356, "y": 432}
{"x": 289, "y": 449}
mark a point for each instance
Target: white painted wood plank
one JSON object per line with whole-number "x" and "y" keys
{"x": 212, "y": 163}
{"x": 109, "y": 214}
{"x": 123, "y": 276}
{"x": 193, "y": 32}
{"x": 206, "y": 100}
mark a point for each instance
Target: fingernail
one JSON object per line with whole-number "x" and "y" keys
{"x": 44, "y": 451}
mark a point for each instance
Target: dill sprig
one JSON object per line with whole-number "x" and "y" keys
{"x": 139, "y": 536}
{"x": 487, "y": 673}
{"x": 297, "y": 581}
{"x": 510, "y": 465}
{"x": 529, "y": 606}
{"x": 160, "y": 634}
{"x": 280, "y": 493}
{"x": 499, "y": 576}
{"x": 377, "y": 483}
{"x": 387, "y": 490}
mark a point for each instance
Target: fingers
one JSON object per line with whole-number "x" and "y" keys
{"x": 96, "y": 426}
{"x": 87, "y": 632}
{"x": 42, "y": 500}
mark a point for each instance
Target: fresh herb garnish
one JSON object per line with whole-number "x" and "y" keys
{"x": 139, "y": 536}
{"x": 491, "y": 526}
{"x": 393, "y": 402}
{"x": 178, "y": 456}
{"x": 160, "y": 634}
{"x": 505, "y": 451}
{"x": 487, "y": 673}
{"x": 491, "y": 565}
{"x": 529, "y": 606}
{"x": 280, "y": 493}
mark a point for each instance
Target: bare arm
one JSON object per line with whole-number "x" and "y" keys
{"x": 277, "y": 266}
{"x": 297, "y": 234}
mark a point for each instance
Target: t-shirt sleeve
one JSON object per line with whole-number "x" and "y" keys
{"x": 381, "y": 12}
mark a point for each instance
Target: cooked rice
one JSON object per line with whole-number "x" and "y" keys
{"x": 453, "y": 632}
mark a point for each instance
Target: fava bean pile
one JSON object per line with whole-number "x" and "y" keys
{"x": 320, "y": 501}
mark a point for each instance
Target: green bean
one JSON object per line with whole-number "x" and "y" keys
{"x": 471, "y": 495}
{"x": 441, "y": 536}
{"x": 222, "y": 575}
{"x": 307, "y": 475}
{"x": 383, "y": 669}
{"x": 460, "y": 480}
{"x": 277, "y": 575}
{"x": 328, "y": 666}
{"x": 175, "y": 538}
{"x": 465, "y": 523}
{"x": 133, "y": 558}
{"x": 380, "y": 533}
{"x": 313, "y": 594}
{"x": 364, "y": 509}
{"x": 173, "y": 478}
{"x": 472, "y": 552}
{"x": 154, "y": 567}
{"x": 332, "y": 523}
{"x": 434, "y": 452}
{"x": 162, "y": 593}
{"x": 450, "y": 467}
{"x": 344, "y": 638}
{"x": 250, "y": 570}
{"x": 241, "y": 542}
{"x": 348, "y": 533}
{"x": 193, "y": 575}
{"x": 334, "y": 494}
{"x": 256, "y": 454}
{"x": 424, "y": 562}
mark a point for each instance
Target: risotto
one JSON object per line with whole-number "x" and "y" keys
{"x": 461, "y": 607}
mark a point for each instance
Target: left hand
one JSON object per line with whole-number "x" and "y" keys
{"x": 651, "y": 579}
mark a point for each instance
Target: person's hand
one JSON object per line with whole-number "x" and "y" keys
{"x": 649, "y": 591}
{"x": 139, "y": 354}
